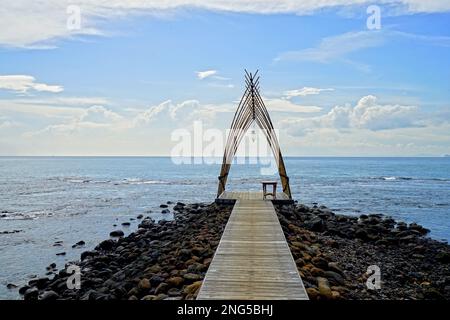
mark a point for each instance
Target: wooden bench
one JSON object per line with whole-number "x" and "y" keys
{"x": 274, "y": 189}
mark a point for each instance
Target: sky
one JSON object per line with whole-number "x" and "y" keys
{"x": 120, "y": 77}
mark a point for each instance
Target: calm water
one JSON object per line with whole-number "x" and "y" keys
{"x": 73, "y": 199}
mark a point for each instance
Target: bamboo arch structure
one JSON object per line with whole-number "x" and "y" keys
{"x": 251, "y": 109}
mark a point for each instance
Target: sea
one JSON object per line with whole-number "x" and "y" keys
{"x": 44, "y": 200}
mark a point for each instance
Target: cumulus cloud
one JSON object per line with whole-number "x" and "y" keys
{"x": 36, "y": 24}
{"x": 187, "y": 110}
{"x": 367, "y": 114}
{"x": 24, "y": 83}
{"x": 90, "y": 118}
{"x": 305, "y": 91}
{"x": 100, "y": 114}
{"x": 205, "y": 74}
{"x": 151, "y": 113}
{"x": 283, "y": 105}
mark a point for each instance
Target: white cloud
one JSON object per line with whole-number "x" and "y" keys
{"x": 305, "y": 91}
{"x": 25, "y": 83}
{"x": 367, "y": 114}
{"x": 331, "y": 48}
{"x": 93, "y": 117}
{"x": 205, "y": 74}
{"x": 151, "y": 113}
{"x": 283, "y": 105}
{"x": 338, "y": 47}
{"x": 7, "y": 123}
{"x": 36, "y": 24}
{"x": 100, "y": 114}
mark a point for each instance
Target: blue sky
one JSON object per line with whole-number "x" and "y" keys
{"x": 332, "y": 86}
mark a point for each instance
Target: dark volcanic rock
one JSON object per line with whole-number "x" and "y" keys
{"x": 106, "y": 245}
{"x": 164, "y": 260}
{"x": 332, "y": 257}
{"x": 116, "y": 233}
{"x": 79, "y": 244}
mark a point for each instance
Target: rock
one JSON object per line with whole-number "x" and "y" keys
{"x": 133, "y": 292}
{"x": 51, "y": 266}
{"x": 333, "y": 266}
{"x": 320, "y": 262}
{"x": 162, "y": 288}
{"x": 324, "y": 288}
{"x": 192, "y": 288}
{"x": 106, "y": 245}
{"x": 39, "y": 282}
{"x": 31, "y": 294}
{"x": 443, "y": 256}
{"x": 11, "y": 232}
{"x": 61, "y": 254}
{"x": 88, "y": 254}
{"x": 175, "y": 281}
{"x": 161, "y": 296}
{"x": 178, "y": 207}
{"x": 11, "y": 286}
{"x": 192, "y": 277}
{"x": 140, "y": 216}
{"x": 402, "y": 226}
{"x": 315, "y": 224}
{"x": 126, "y": 224}
{"x": 174, "y": 292}
{"x": 165, "y": 211}
{"x": 433, "y": 294}
{"x": 361, "y": 234}
{"x": 147, "y": 297}
{"x": 185, "y": 253}
{"x": 419, "y": 228}
{"x": 153, "y": 269}
{"x": 156, "y": 280}
{"x": 23, "y": 289}
{"x": 164, "y": 206}
{"x": 335, "y": 295}
{"x": 334, "y": 277}
{"x": 116, "y": 233}
{"x": 78, "y": 244}
{"x": 144, "y": 284}
{"x": 49, "y": 295}
{"x": 313, "y": 293}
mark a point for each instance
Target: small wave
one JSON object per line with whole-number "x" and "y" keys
{"x": 141, "y": 181}
{"x": 396, "y": 178}
{"x": 33, "y": 215}
{"x": 78, "y": 180}
{"x": 399, "y": 178}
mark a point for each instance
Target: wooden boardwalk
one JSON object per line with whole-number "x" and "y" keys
{"x": 253, "y": 259}
{"x": 249, "y": 195}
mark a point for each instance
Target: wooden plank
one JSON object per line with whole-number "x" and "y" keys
{"x": 253, "y": 259}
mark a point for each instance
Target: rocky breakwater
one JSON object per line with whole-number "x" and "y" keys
{"x": 333, "y": 253}
{"x": 164, "y": 260}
